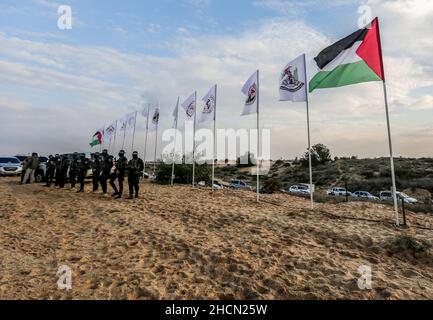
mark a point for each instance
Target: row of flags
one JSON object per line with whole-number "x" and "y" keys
{"x": 354, "y": 59}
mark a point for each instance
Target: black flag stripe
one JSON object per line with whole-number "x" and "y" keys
{"x": 331, "y": 52}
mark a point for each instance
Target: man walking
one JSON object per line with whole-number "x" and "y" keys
{"x": 33, "y": 164}
{"x": 107, "y": 165}
{"x": 135, "y": 170}
{"x": 51, "y": 169}
{"x": 73, "y": 170}
{"x": 96, "y": 171}
{"x": 82, "y": 168}
{"x": 119, "y": 174}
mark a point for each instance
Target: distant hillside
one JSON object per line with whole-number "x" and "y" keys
{"x": 371, "y": 175}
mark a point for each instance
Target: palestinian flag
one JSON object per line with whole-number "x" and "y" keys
{"x": 97, "y": 139}
{"x": 354, "y": 59}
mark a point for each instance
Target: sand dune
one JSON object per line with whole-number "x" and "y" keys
{"x": 179, "y": 243}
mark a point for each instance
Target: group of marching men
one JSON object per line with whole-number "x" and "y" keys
{"x": 105, "y": 168}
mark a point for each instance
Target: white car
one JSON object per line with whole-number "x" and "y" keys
{"x": 364, "y": 195}
{"x": 302, "y": 189}
{"x": 387, "y": 196}
{"x": 338, "y": 192}
{"x": 10, "y": 166}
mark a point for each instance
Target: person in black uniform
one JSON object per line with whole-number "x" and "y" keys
{"x": 82, "y": 167}
{"x": 59, "y": 179}
{"x": 51, "y": 169}
{"x": 106, "y": 166}
{"x": 119, "y": 174}
{"x": 135, "y": 170}
{"x": 64, "y": 166}
{"x": 96, "y": 170}
{"x": 73, "y": 170}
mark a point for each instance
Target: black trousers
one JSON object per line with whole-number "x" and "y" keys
{"x": 61, "y": 179}
{"x": 133, "y": 182}
{"x": 95, "y": 180}
{"x": 120, "y": 177}
{"x": 81, "y": 180}
{"x": 73, "y": 178}
{"x": 103, "y": 181}
{"x": 50, "y": 176}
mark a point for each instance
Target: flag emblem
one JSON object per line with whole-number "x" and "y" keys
{"x": 190, "y": 109}
{"x": 290, "y": 80}
{"x": 155, "y": 118}
{"x": 209, "y": 105}
{"x": 252, "y": 94}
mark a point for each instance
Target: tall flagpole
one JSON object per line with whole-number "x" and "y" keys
{"x": 193, "y": 140}
{"x": 175, "y": 138}
{"x": 156, "y": 142}
{"x": 214, "y": 140}
{"x": 145, "y": 142}
{"x": 133, "y": 134}
{"x": 309, "y": 137}
{"x": 258, "y": 136}
{"x": 391, "y": 153}
{"x": 109, "y": 145}
{"x": 114, "y": 140}
{"x": 394, "y": 184}
{"x": 124, "y": 137}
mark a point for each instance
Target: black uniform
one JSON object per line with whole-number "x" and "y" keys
{"x": 62, "y": 167}
{"x": 106, "y": 165}
{"x": 82, "y": 167}
{"x": 59, "y": 180}
{"x": 51, "y": 169}
{"x": 96, "y": 171}
{"x": 119, "y": 174}
{"x": 73, "y": 170}
{"x": 135, "y": 170}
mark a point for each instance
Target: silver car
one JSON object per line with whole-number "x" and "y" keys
{"x": 10, "y": 166}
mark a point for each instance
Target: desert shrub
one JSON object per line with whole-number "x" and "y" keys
{"x": 272, "y": 186}
{"x": 182, "y": 173}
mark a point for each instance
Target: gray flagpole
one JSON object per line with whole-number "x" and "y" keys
{"x": 124, "y": 137}
{"x": 193, "y": 140}
{"x": 156, "y": 140}
{"x": 109, "y": 145}
{"x": 309, "y": 137}
{"x": 391, "y": 153}
{"x": 133, "y": 134}
{"x": 258, "y": 136}
{"x": 175, "y": 138}
{"x": 214, "y": 140}
{"x": 394, "y": 185}
{"x": 147, "y": 131}
{"x": 114, "y": 142}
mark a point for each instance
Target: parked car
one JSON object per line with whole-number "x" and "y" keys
{"x": 387, "y": 196}
{"x": 239, "y": 185}
{"x": 364, "y": 195}
{"x": 41, "y": 171}
{"x": 300, "y": 189}
{"x": 22, "y": 157}
{"x": 338, "y": 192}
{"x": 10, "y": 166}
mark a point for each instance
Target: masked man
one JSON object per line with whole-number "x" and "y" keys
{"x": 135, "y": 171}
{"x": 51, "y": 169}
{"x": 106, "y": 166}
{"x": 119, "y": 174}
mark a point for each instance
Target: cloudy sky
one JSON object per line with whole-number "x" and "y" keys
{"x": 58, "y": 86}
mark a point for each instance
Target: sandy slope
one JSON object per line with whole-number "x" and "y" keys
{"x": 177, "y": 243}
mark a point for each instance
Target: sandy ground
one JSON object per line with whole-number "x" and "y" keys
{"x": 179, "y": 243}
